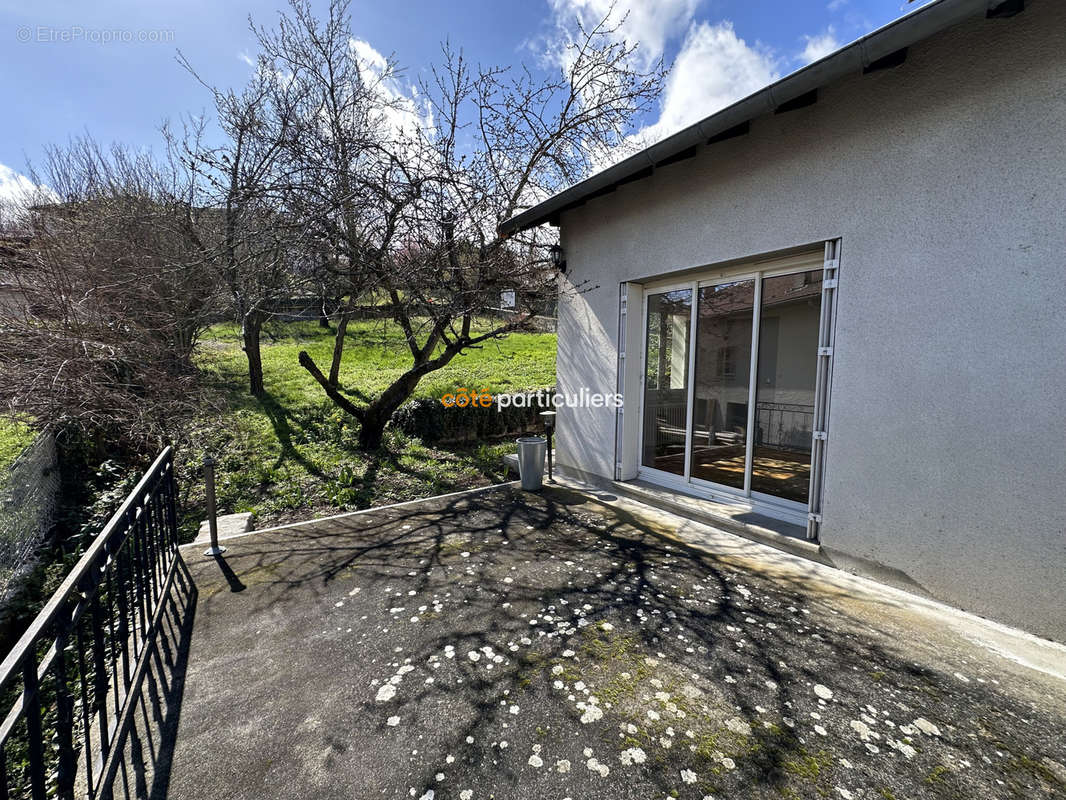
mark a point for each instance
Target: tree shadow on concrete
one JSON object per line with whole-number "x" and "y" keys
{"x": 703, "y": 666}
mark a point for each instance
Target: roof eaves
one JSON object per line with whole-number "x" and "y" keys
{"x": 884, "y": 45}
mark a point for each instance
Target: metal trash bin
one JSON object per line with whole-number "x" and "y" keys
{"x": 531, "y": 451}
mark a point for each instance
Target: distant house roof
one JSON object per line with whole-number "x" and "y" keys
{"x": 884, "y": 48}
{"x": 12, "y": 248}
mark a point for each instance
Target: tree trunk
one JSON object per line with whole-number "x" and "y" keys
{"x": 323, "y": 314}
{"x": 377, "y": 415}
{"x": 251, "y": 327}
{"x": 373, "y": 431}
{"x": 338, "y": 349}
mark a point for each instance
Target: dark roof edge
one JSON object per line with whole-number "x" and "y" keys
{"x": 852, "y": 58}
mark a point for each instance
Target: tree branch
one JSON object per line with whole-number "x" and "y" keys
{"x": 334, "y": 394}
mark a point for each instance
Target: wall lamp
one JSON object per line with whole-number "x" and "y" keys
{"x": 558, "y": 257}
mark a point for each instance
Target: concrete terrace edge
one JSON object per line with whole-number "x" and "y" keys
{"x": 361, "y": 511}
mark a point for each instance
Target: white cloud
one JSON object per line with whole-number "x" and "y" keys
{"x": 714, "y": 69}
{"x": 404, "y": 111}
{"x": 368, "y": 57}
{"x": 647, "y": 23}
{"x": 17, "y": 193}
{"x": 12, "y": 184}
{"x": 819, "y": 46}
{"x": 835, "y": 5}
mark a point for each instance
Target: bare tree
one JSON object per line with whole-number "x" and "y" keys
{"x": 236, "y": 213}
{"x": 343, "y": 113}
{"x": 414, "y": 208}
{"x": 116, "y": 295}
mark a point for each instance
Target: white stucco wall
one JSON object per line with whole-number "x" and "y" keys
{"x": 946, "y": 181}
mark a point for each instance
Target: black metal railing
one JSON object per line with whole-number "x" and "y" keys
{"x": 74, "y": 676}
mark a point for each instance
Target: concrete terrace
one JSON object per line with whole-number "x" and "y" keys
{"x": 571, "y": 645}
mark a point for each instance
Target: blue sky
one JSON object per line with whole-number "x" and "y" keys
{"x": 60, "y": 78}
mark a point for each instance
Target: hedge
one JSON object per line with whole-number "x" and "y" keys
{"x": 433, "y": 422}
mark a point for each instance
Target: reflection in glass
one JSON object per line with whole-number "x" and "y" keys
{"x": 666, "y": 380}
{"x": 784, "y": 395}
{"x": 723, "y": 366}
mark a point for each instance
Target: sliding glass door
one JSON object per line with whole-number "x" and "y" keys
{"x": 730, "y": 382}
{"x": 784, "y": 394}
{"x": 666, "y": 368}
{"x": 723, "y": 368}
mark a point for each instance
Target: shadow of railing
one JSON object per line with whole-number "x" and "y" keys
{"x": 145, "y": 769}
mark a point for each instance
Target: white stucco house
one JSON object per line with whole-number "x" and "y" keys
{"x": 836, "y": 311}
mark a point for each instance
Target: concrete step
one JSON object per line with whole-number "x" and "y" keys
{"x": 777, "y": 533}
{"x": 228, "y": 525}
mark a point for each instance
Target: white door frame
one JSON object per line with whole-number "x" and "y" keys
{"x": 658, "y": 475}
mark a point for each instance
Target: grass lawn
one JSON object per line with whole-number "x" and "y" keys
{"x": 292, "y": 455}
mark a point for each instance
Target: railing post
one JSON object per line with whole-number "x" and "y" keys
{"x": 212, "y": 517}
{"x": 64, "y": 733}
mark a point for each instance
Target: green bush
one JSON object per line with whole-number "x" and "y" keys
{"x": 433, "y": 422}
{"x": 15, "y": 436}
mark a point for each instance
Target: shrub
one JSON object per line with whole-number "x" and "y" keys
{"x": 433, "y": 422}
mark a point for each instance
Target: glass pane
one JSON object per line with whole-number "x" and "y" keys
{"x": 784, "y": 398}
{"x": 723, "y": 366}
{"x": 666, "y": 380}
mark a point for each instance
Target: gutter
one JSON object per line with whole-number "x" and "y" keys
{"x": 883, "y": 48}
